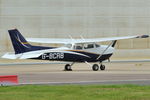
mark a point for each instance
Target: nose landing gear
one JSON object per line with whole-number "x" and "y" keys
{"x": 68, "y": 67}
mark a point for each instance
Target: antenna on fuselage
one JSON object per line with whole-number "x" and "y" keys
{"x": 71, "y": 38}
{"x": 82, "y": 37}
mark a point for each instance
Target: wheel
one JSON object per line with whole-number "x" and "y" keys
{"x": 68, "y": 67}
{"x": 95, "y": 67}
{"x": 102, "y": 67}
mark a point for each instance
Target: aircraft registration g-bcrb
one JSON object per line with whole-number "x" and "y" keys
{"x": 74, "y": 50}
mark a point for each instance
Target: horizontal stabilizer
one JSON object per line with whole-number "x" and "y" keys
{"x": 10, "y": 56}
{"x": 27, "y": 55}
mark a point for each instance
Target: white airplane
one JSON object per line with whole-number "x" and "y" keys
{"x": 74, "y": 50}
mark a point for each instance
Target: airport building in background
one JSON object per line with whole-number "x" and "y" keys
{"x": 89, "y": 18}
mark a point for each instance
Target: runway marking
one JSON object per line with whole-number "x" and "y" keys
{"x": 9, "y": 64}
{"x": 87, "y": 82}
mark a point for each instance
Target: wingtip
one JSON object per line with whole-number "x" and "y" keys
{"x": 143, "y": 36}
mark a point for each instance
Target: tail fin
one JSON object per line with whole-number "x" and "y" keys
{"x": 18, "y": 41}
{"x": 20, "y": 44}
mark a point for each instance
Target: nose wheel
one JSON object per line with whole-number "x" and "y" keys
{"x": 68, "y": 67}
{"x": 95, "y": 67}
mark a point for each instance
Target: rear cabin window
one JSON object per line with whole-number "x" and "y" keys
{"x": 79, "y": 46}
{"x": 68, "y": 45}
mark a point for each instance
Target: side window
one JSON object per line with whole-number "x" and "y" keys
{"x": 79, "y": 46}
{"x": 88, "y": 46}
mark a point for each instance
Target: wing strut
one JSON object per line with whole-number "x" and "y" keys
{"x": 111, "y": 44}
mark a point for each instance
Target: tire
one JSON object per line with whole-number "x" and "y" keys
{"x": 95, "y": 67}
{"x": 68, "y": 67}
{"x": 102, "y": 67}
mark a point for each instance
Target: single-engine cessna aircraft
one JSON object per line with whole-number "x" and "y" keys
{"x": 74, "y": 50}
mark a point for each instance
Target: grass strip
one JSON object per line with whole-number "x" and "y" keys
{"x": 75, "y": 92}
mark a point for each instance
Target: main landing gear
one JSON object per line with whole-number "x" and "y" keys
{"x": 95, "y": 67}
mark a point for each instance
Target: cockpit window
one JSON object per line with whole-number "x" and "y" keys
{"x": 90, "y": 46}
{"x": 96, "y": 45}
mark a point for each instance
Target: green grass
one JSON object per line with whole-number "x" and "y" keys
{"x": 75, "y": 92}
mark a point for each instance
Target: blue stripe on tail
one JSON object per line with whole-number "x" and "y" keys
{"x": 21, "y": 45}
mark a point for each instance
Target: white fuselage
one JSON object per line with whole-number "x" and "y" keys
{"x": 91, "y": 54}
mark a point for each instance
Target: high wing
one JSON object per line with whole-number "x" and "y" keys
{"x": 74, "y": 41}
{"x": 50, "y": 40}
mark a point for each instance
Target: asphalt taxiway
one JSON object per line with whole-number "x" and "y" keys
{"x": 115, "y": 73}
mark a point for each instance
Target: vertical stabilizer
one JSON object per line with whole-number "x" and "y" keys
{"x": 20, "y": 44}
{"x": 18, "y": 41}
